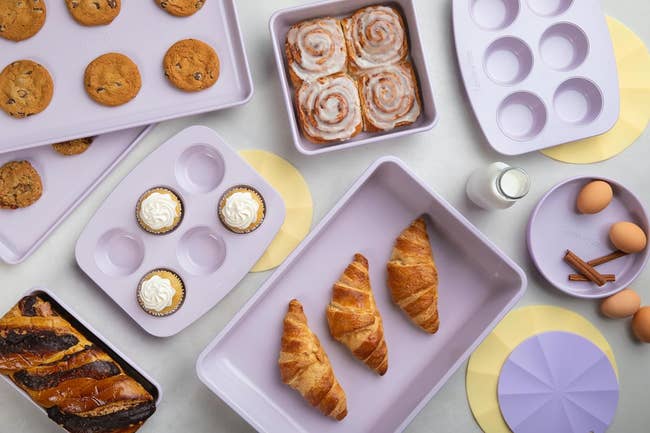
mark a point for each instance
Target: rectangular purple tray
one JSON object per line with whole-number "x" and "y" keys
{"x": 143, "y": 32}
{"x": 116, "y": 252}
{"x": 279, "y": 25}
{"x": 95, "y": 337}
{"x": 22, "y": 231}
{"x": 478, "y": 285}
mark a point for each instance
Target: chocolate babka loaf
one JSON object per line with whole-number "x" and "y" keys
{"x": 80, "y": 386}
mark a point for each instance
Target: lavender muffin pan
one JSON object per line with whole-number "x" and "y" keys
{"x": 279, "y": 25}
{"x": 538, "y": 73}
{"x": 116, "y": 252}
{"x": 23, "y": 230}
{"x": 555, "y": 226}
{"x": 478, "y": 285}
{"x": 95, "y": 337}
{"x": 72, "y": 114}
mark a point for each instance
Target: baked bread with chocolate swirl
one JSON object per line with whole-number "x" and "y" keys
{"x": 79, "y": 385}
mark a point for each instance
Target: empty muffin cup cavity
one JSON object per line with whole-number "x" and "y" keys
{"x": 494, "y": 14}
{"x": 522, "y": 116}
{"x": 549, "y": 8}
{"x": 119, "y": 253}
{"x": 508, "y": 61}
{"x": 578, "y": 101}
{"x": 564, "y": 46}
{"x": 200, "y": 169}
{"x": 201, "y": 251}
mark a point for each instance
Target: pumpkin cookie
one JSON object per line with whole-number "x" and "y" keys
{"x": 73, "y": 147}
{"x": 20, "y": 185}
{"x": 26, "y": 88}
{"x": 112, "y": 79}
{"x": 181, "y": 8}
{"x": 20, "y": 20}
{"x": 94, "y": 12}
{"x": 191, "y": 65}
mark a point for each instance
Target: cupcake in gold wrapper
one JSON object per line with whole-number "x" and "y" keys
{"x": 242, "y": 209}
{"x": 159, "y": 211}
{"x": 161, "y": 292}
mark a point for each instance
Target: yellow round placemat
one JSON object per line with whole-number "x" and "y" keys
{"x": 287, "y": 180}
{"x": 485, "y": 363}
{"x": 633, "y": 63}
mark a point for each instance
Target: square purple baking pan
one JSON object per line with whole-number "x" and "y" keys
{"x": 538, "y": 73}
{"x": 478, "y": 285}
{"x": 199, "y": 167}
{"x": 143, "y": 32}
{"x": 95, "y": 337}
{"x": 279, "y": 25}
{"x": 22, "y": 231}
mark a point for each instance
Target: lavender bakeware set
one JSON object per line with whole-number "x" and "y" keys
{"x": 537, "y": 73}
{"x": 72, "y": 114}
{"x": 279, "y": 25}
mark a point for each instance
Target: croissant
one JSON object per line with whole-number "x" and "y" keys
{"x": 354, "y": 319}
{"x": 79, "y": 385}
{"x": 305, "y": 367}
{"x": 413, "y": 277}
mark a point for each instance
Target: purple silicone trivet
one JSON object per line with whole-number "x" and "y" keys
{"x": 558, "y": 382}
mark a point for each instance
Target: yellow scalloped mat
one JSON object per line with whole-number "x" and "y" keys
{"x": 287, "y": 180}
{"x": 485, "y": 363}
{"x": 633, "y": 61}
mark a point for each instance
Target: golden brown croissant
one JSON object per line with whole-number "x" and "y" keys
{"x": 305, "y": 367}
{"x": 354, "y": 319}
{"x": 413, "y": 277}
{"x": 80, "y": 386}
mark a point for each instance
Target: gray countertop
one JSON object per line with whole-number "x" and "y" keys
{"x": 444, "y": 157}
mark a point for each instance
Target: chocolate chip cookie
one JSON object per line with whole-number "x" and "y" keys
{"x": 94, "y": 12}
{"x": 112, "y": 79}
{"x": 73, "y": 147}
{"x": 26, "y": 88}
{"x": 21, "y": 19}
{"x": 181, "y": 8}
{"x": 20, "y": 185}
{"x": 191, "y": 65}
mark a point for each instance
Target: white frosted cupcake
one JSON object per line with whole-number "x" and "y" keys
{"x": 159, "y": 211}
{"x": 241, "y": 209}
{"x": 161, "y": 292}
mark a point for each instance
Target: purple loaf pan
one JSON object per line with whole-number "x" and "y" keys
{"x": 279, "y": 25}
{"x": 538, "y": 73}
{"x": 95, "y": 337}
{"x": 22, "y": 231}
{"x": 117, "y": 253}
{"x": 555, "y": 225}
{"x": 478, "y": 285}
{"x": 142, "y": 31}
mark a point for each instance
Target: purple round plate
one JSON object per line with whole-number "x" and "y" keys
{"x": 555, "y": 226}
{"x": 558, "y": 382}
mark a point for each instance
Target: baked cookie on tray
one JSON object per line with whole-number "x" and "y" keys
{"x": 20, "y": 185}
{"x": 112, "y": 79}
{"x": 20, "y": 20}
{"x": 181, "y": 8}
{"x": 26, "y": 88}
{"x": 191, "y": 65}
{"x": 94, "y": 12}
{"x": 73, "y": 147}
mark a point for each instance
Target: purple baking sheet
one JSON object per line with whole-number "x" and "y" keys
{"x": 279, "y": 25}
{"x": 538, "y": 73}
{"x": 555, "y": 226}
{"x": 478, "y": 285}
{"x": 116, "y": 253}
{"x": 22, "y": 231}
{"x": 95, "y": 337}
{"x": 144, "y": 32}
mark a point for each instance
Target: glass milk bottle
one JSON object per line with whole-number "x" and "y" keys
{"x": 497, "y": 186}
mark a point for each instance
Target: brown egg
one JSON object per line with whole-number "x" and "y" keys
{"x": 628, "y": 237}
{"x": 641, "y": 324}
{"x": 622, "y": 304}
{"x": 594, "y": 197}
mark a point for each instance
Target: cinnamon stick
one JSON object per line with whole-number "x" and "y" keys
{"x": 584, "y": 268}
{"x": 610, "y": 278}
{"x": 608, "y": 258}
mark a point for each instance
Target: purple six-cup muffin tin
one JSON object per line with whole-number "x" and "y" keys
{"x": 143, "y": 31}
{"x": 22, "y": 231}
{"x": 478, "y": 285}
{"x": 538, "y": 73}
{"x": 279, "y": 25}
{"x": 199, "y": 167}
{"x": 129, "y": 367}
